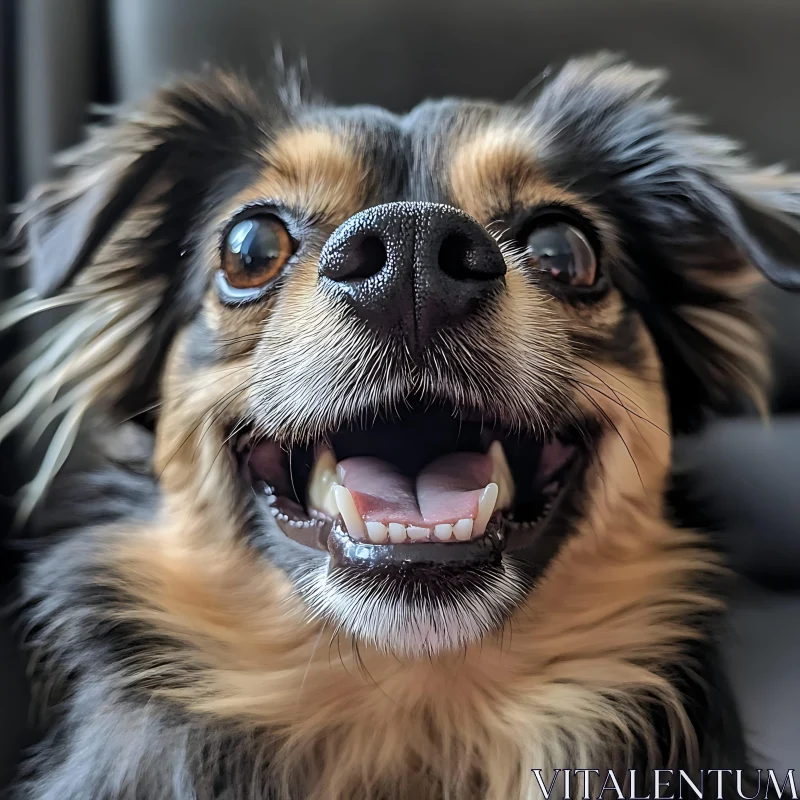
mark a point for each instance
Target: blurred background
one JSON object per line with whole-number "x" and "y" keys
{"x": 734, "y": 62}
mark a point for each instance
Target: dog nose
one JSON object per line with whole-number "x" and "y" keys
{"x": 412, "y": 268}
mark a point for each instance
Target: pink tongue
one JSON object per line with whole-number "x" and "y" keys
{"x": 447, "y": 490}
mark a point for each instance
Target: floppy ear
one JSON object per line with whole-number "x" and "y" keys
{"x": 698, "y": 224}
{"x": 61, "y": 240}
{"x": 766, "y": 225}
{"x": 111, "y": 239}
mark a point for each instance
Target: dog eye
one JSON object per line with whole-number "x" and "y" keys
{"x": 564, "y": 252}
{"x": 255, "y": 251}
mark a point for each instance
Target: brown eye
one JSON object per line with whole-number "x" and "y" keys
{"x": 255, "y": 251}
{"x": 564, "y": 252}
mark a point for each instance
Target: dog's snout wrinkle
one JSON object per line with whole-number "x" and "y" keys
{"x": 412, "y": 268}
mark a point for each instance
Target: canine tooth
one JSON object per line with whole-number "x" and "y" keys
{"x": 242, "y": 442}
{"x": 462, "y": 530}
{"x": 321, "y": 481}
{"x": 377, "y": 532}
{"x": 418, "y": 534}
{"x": 443, "y": 532}
{"x": 397, "y": 532}
{"x": 347, "y": 508}
{"x": 274, "y": 511}
{"x": 501, "y": 475}
{"x": 485, "y": 508}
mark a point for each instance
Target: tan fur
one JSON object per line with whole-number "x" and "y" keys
{"x": 496, "y": 169}
{"x": 313, "y": 169}
{"x": 569, "y": 671}
{"x": 748, "y": 365}
{"x": 567, "y": 681}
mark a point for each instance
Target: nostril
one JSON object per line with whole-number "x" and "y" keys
{"x": 366, "y": 257}
{"x": 458, "y": 257}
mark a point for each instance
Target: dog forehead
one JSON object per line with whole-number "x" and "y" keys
{"x": 370, "y": 155}
{"x": 380, "y": 132}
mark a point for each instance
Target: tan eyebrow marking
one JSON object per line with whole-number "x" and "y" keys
{"x": 496, "y": 169}
{"x": 312, "y": 169}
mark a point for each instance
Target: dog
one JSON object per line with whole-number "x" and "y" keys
{"x": 391, "y": 519}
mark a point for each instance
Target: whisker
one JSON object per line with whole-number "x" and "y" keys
{"x": 611, "y": 422}
{"x": 203, "y": 420}
{"x": 618, "y": 402}
{"x": 308, "y": 665}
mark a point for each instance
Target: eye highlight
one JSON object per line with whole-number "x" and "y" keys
{"x": 255, "y": 251}
{"x": 564, "y": 252}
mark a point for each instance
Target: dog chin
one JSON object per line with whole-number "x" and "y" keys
{"x": 421, "y": 614}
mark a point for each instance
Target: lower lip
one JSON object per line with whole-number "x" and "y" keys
{"x": 486, "y": 549}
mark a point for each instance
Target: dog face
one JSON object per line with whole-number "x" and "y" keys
{"x": 413, "y": 381}
{"x": 410, "y": 366}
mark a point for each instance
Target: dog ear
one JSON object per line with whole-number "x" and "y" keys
{"x": 698, "y": 224}
{"x": 111, "y": 239}
{"x": 61, "y": 240}
{"x": 767, "y": 230}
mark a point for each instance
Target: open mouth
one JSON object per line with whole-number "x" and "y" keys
{"x": 431, "y": 486}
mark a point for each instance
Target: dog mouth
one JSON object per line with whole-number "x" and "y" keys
{"x": 433, "y": 486}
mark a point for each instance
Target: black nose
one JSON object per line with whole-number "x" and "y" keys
{"x": 412, "y": 268}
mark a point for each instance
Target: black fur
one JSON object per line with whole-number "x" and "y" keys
{"x": 680, "y": 201}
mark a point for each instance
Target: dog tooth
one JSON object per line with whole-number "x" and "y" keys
{"x": 485, "y": 508}
{"x": 443, "y": 532}
{"x": 274, "y": 511}
{"x": 501, "y": 475}
{"x": 397, "y": 532}
{"x": 323, "y": 477}
{"x": 462, "y": 530}
{"x": 418, "y": 534}
{"x": 347, "y": 508}
{"x": 242, "y": 442}
{"x": 377, "y": 532}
